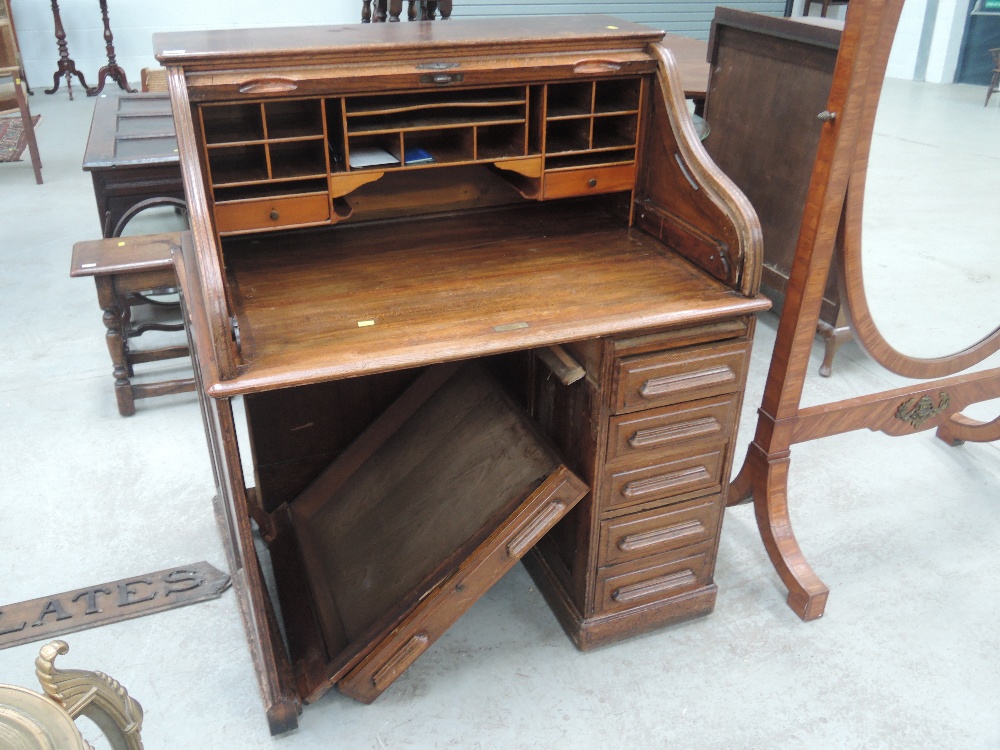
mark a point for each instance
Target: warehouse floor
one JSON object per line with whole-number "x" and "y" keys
{"x": 905, "y": 531}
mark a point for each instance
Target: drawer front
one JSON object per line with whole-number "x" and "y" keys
{"x": 589, "y": 180}
{"x": 656, "y": 531}
{"x": 442, "y": 606}
{"x": 665, "y": 480}
{"x": 675, "y": 376}
{"x": 646, "y": 434}
{"x": 268, "y": 213}
{"x": 654, "y": 579}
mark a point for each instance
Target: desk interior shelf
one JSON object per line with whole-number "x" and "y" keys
{"x": 281, "y": 148}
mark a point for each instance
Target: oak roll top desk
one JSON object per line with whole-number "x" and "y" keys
{"x": 406, "y": 239}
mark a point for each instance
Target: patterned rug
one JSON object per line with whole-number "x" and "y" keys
{"x": 13, "y": 139}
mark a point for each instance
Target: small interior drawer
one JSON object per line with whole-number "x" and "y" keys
{"x": 668, "y": 479}
{"x": 661, "y": 530}
{"x": 589, "y": 180}
{"x": 680, "y": 375}
{"x": 650, "y": 580}
{"x": 268, "y": 213}
{"x": 652, "y": 432}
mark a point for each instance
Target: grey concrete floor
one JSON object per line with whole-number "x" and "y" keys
{"x": 904, "y": 530}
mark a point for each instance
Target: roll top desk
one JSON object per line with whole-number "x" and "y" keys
{"x": 484, "y": 297}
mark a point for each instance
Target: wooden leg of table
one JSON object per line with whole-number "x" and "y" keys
{"x": 115, "y": 320}
{"x": 960, "y": 428}
{"x": 807, "y": 594}
{"x": 741, "y": 487}
{"x": 833, "y": 337}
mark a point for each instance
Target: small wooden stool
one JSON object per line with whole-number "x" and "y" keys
{"x": 126, "y": 270}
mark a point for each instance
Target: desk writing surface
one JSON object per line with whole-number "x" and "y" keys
{"x": 318, "y": 305}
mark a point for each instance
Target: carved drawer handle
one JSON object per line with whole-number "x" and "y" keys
{"x": 535, "y": 527}
{"x": 654, "y": 586}
{"x": 590, "y": 67}
{"x": 656, "y": 387}
{"x": 442, "y": 79}
{"x": 632, "y": 542}
{"x": 268, "y": 86}
{"x": 668, "y": 433}
{"x": 400, "y": 660}
{"x": 652, "y": 485}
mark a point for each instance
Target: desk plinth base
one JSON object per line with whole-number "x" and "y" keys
{"x": 604, "y": 629}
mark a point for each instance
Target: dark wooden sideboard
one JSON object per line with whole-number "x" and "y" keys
{"x": 770, "y": 79}
{"x": 406, "y": 236}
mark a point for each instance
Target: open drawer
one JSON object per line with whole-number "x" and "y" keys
{"x": 410, "y": 525}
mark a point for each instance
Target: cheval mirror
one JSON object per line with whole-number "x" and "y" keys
{"x": 932, "y": 271}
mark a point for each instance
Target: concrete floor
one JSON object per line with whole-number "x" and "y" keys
{"x": 903, "y": 530}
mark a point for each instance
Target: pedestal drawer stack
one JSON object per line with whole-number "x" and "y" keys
{"x": 640, "y": 550}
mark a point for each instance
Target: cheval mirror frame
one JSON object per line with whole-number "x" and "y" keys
{"x": 832, "y": 217}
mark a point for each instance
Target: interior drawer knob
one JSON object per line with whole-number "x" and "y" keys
{"x": 274, "y": 214}
{"x": 592, "y": 182}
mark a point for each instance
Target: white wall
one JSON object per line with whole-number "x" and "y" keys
{"x": 903, "y": 59}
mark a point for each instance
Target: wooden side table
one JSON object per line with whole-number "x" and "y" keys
{"x": 125, "y": 271}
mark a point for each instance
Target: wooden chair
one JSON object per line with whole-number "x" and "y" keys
{"x": 995, "y": 81}
{"x": 13, "y": 85}
{"x": 825, "y": 6}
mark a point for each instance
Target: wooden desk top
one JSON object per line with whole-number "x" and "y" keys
{"x": 376, "y": 42}
{"x": 131, "y": 130}
{"x": 319, "y": 305}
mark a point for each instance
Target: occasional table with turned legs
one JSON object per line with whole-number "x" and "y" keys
{"x": 66, "y": 66}
{"x": 112, "y": 70}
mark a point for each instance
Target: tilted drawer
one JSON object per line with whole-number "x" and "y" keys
{"x": 652, "y": 579}
{"x": 680, "y": 375}
{"x": 269, "y": 213}
{"x": 589, "y": 180}
{"x": 655, "y": 531}
{"x": 442, "y": 606}
{"x": 649, "y": 433}
{"x": 685, "y": 474}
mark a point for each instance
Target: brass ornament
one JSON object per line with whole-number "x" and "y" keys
{"x": 33, "y": 721}
{"x": 924, "y": 409}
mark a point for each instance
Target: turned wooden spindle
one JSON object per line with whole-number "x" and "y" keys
{"x": 66, "y": 65}
{"x": 112, "y": 70}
